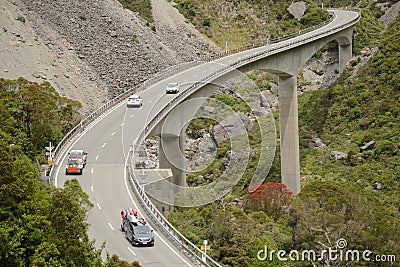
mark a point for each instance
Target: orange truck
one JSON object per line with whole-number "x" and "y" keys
{"x": 74, "y": 167}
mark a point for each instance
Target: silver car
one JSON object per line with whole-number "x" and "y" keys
{"x": 172, "y": 88}
{"x": 134, "y": 101}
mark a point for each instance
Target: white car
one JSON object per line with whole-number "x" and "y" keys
{"x": 78, "y": 155}
{"x": 134, "y": 101}
{"x": 172, "y": 88}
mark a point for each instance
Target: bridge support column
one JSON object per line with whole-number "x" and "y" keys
{"x": 170, "y": 157}
{"x": 171, "y": 153}
{"x": 345, "y": 54}
{"x": 289, "y": 133}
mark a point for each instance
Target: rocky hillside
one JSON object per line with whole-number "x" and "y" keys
{"x": 92, "y": 51}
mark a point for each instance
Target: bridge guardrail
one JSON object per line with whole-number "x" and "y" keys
{"x": 185, "y": 244}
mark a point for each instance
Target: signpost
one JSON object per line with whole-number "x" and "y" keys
{"x": 49, "y": 149}
{"x": 205, "y": 248}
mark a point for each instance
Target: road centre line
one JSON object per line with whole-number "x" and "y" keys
{"x": 112, "y": 228}
{"x": 131, "y": 251}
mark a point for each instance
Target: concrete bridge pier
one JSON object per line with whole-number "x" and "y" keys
{"x": 345, "y": 48}
{"x": 345, "y": 54}
{"x": 171, "y": 133}
{"x": 289, "y": 133}
{"x": 171, "y": 151}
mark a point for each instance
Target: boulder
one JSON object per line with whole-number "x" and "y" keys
{"x": 337, "y": 155}
{"x": 368, "y": 146}
{"x": 317, "y": 143}
{"x": 210, "y": 109}
{"x": 297, "y": 9}
{"x": 268, "y": 99}
{"x": 231, "y": 126}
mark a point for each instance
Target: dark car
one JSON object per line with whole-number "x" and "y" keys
{"x": 138, "y": 232}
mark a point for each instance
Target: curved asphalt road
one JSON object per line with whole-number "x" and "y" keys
{"x": 108, "y": 142}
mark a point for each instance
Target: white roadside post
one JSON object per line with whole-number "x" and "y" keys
{"x": 49, "y": 154}
{"x": 204, "y": 248}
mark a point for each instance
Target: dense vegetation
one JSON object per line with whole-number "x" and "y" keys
{"x": 355, "y": 111}
{"x": 40, "y": 225}
{"x": 33, "y": 115}
{"x": 340, "y": 199}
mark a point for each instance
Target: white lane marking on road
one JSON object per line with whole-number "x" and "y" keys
{"x": 91, "y": 171}
{"x": 122, "y": 124}
{"x": 104, "y": 145}
{"x": 112, "y": 133}
{"x": 150, "y": 101}
{"x": 160, "y": 95}
{"x": 137, "y": 208}
{"x": 131, "y": 251}
{"x": 131, "y": 116}
{"x": 97, "y": 156}
{"x": 112, "y": 228}
{"x": 98, "y": 205}
{"x": 91, "y": 188}
{"x": 79, "y": 137}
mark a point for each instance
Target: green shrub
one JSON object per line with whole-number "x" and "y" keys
{"x": 143, "y": 7}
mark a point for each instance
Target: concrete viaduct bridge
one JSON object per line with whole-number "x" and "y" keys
{"x": 284, "y": 59}
{"x": 108, "y": 135}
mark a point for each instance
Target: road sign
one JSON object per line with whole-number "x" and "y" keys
{"x": 205, "y": 247}
{"x": 50, "y": 147}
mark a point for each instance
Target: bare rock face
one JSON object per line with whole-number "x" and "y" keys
{"x": 268, "y": 99}
{"x": 230, "y": 127}
{"x": 200, "y": 151}
{"x": 90, "y": 51}
{"x": 297, "y": 9}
